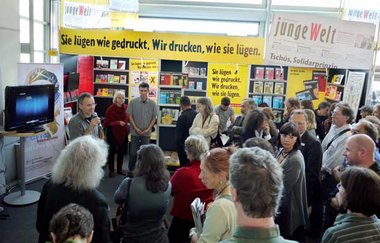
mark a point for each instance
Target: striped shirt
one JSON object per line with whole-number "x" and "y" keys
{"x": 352, "y": 228}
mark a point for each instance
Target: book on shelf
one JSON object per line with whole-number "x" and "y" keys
{"x": 258, "y": 99}
{"x": 306, "y": 94}
{"x": 177, "y": 79}
{"x": 268, "y": 87}
{"x": 105, "y": 64}
{"x": 194, "y": 71}
{"x": 258, "y": 87}
{"x": 98, "y": 78}
{"x": 313, "y": 85}
{"x": 191, "y": 85}
{"x": 169, "y": 116}
{"x": 116, "y": 79}
{"x": 203, "y": 72}
{"x": 170, "y": 97}
{"x": 321, "y": 77}
{"x": 66, "y": 96}
{"x": 279, "y": 88}
{"x": 193, "y": 99}
{"x": 269, "y": 73}
{"x": 185, "y": 80}
{"x": 98, "y": 63}
{"x": 338, "y": 95}
{"x": 259, "y": 72}
{"x": 199, "y": 85}
{"x": 278, "y": 102}
{"x": 110, "y": 78}
{"x": 331, "y": 91}
{"x": 337, "y": 78}
{"x": 268, "y": 100}
{"x": 279, "y": 73}
{"x": 123, "y": 79}
{"x": 113, "y": 64}
{"x": 165, "y": 79}
{"x": 121, "y": 64}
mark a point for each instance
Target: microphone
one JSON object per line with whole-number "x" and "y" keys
{"x": 94, "y": 115}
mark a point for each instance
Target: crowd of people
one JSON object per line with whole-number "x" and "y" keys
{"x": 316, "y": 173}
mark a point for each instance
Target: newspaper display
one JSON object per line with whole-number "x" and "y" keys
{"x": 353, "y": 90}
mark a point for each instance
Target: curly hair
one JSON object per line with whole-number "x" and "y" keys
{"x": 79, "y": 165}
{"x": 196, "y": 146}
{"x": 151, "y": 163}
{"x": 253, "y": 120}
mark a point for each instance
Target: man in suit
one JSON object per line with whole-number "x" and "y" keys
{"x": 312, "y": 152}
{"x": 184, "y": 122}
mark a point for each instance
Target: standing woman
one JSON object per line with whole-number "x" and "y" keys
{"x": 292, "y": 216}
{"x": 146, "y": 197}
{"x": 116, "y": 124}
{"x": 206, "y": 122}
{"x": 220, "y": 219}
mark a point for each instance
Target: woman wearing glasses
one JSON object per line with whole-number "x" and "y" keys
{"x": 292, "y": 215}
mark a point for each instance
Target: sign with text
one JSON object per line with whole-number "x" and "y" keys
{"x": 190, "y": 47}
{"x": 141, "y": 70}
{"x": 227, "y": 80}
{"x": 315, "y": 41}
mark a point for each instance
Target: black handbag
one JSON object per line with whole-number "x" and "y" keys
{"x": 216, "y": 142}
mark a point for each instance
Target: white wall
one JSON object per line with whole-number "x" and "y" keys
{"x": 10, "y": 56}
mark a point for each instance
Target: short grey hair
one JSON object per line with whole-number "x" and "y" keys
{"x": 84, "y": 95}
{"x": 117, "y": 94}
{"x": 206, "y": 101}
{"x": 196, "y": 146}
{"x": 79, "y": 165}
{"x": 251, "y": 103}
{"x": 258, "y": 180}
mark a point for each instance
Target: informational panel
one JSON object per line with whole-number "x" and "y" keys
{"x": 229, "y": 80}
{"x": 314, "y": 41}
{"x": 41, "y": 151}
{"x": 141, "y": 70}
{"x": 353, "y": 89}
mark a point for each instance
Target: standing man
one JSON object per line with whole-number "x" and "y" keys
{"x": 225, "y": 112}
{"x": 184, "y": 122}
{"x": 142, "y": 117}
{"x": 257, "y": 186}
{"x": 86, "y": 121}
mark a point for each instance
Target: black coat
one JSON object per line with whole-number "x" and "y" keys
{"x": 184, "y": 122}
{"x": 55, "y": 196}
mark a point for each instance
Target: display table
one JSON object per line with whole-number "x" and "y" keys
{"x": 22, "y": 197}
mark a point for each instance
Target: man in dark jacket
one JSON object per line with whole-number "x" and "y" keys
{"x": 184, "y": 122}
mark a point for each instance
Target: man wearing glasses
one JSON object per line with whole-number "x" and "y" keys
{"x": 86, "y": 121}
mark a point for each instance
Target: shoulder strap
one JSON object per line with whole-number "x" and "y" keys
{"x": 337, "y": 136}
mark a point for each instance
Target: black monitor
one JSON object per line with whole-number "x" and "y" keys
{"x": 28, "y": 107}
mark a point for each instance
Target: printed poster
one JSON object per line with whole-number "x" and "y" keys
{"x": 314, "y": 41}
{"x": 41, "y": 151}
{"x": 353, "y": 90}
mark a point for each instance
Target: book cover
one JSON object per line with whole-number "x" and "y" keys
{"x": 258, "y": 87}
{"x": 268, "y": 87}
{"x": 123, "y": 79}
{"x": 166, "y": 79}
{"x": 259, "y": 72}
{"x": 169, "y": 115}
{"x": 116, "y": 79}
{"x": 313, "y": 85}
{"x": 278, "y": 102}
{"x": 337, "y": 79}
{"x": 163, "y": 98}
{"x": 121, "y": 64}
{"x": 99, "y": 63}
{"x": 113, "y": 64}
{"x": 203, "y": 72}
{"x": 185, "y": 80}
{"x": 194, "y": 71}
{"x": 279, "y": 74}
{"x": 105, "y": 64}
{"x": 321, "y": 77}
{"x": 269, "y": 73}
{"x": 199, "y": 85}
{"x": 338, "y": 95}
{"x": 110, "y": 78}
{"x": 279, "y": 88}
{"x": 331, "y": 91}
{"x": 268, "y": 100}
{"x": 258, "y": 99}
{"x": 98, "y": 78}
{"x": 177, "y": 79}
{"x": 144, "y": 77}
{"x": 191, "y": 85}
{"x": 304, "y": 94}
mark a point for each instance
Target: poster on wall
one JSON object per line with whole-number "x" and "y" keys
{"x": 227, "y": 80}
{"x": 41, "y": 151}
{"x": 142, "y": 70}
{"x": 353, "y": 90}
{"x": 313, "y": 41}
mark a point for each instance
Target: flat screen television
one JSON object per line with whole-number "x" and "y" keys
{"x": 28, "y": 107}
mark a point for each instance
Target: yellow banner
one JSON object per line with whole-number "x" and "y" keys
{"x": 190, "y": 47}
{"x": 227, "y": 80}
{"x": 141, "y": 70}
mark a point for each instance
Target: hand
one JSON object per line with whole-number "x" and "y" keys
{"x": 267, "y": 129}
{"x": 337, "y": 172}
{"x": 122, "y": 123}
{"x": 193, "y": 235}
{"x": 95, "y": 121}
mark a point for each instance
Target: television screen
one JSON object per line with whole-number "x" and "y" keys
{"x": 27, "y": 107}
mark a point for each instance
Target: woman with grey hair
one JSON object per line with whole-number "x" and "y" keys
{"x": 206, "y": 122}
{"x": 75, "y": 175}
{"x": 186, "y": 186}
{"x": 146, "y": 197}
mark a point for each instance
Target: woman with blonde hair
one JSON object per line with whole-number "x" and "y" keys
{"x": 76, "y": 174}
{"x": 311, "y": 123}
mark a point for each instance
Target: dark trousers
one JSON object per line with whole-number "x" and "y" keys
{"x": 179, "y": 230}
{"x": 136, "y": 142}
{"x": 329, "y": 191}
{"x": 182, "y": 156}
{"x": 115, "y": 149}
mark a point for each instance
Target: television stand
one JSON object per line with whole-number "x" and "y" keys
{"x": 32, "y": 130}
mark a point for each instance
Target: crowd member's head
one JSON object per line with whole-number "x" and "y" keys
{"x": 79, "y": 165}
{"x": 292, "y": 104}
{"x": 215, "y": 168}
{"x": 360, "y": 150}
{"x": 144, "y": 91}
{"x": 119, "y": 98}
{"x": 257, "y": 183}
{"x": 255, "y": 121}
{"x": 375, "y": 121}
{"x": 289, "y": 138}
{"x": 185, "y": 103}
{"x": 365, "y": 127}
{"x": 225, "y": 103}
{"x": 376, "y": 111}
{"x": 151, "y": 163}
{"x": 247, "y": 105}
{"x": 359, "y": 191}
{"x": 72, "y": 223}
{"x": 307, "y": 104}
{"x": 323, "y": 108}
{"x": 86, "y": 104}
{"x": 204, "y": 106}
{"x": 342, "y": 115}
{"x": 269, "y": 113}
{"x": 299, "y": 117}
{"x": 311, "y": 123}
{"x": 366, "y": 110}
{"x": 259, "y": 142}
{"x": 195, "y": 147}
